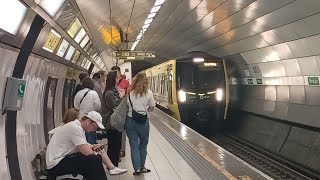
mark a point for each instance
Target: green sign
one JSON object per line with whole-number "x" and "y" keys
{"x": 21, "y": 89}
{"x": 250, "y": 81}
{"x": 259, "y": 81}
{"x": 313, "y": 80}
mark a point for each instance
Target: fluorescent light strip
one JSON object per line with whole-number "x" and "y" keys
{"x": 148, "y": 21}
{"x": 159, "y": 2}
{"x": 155, "y": 9}
{"x": 152, "y": 15}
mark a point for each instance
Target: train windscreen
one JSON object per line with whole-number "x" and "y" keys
{"x": 198, "y": 76}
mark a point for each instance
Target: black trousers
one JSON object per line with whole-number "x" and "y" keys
{"x": 114, "y": 145}
{"x": 88, "y": 166}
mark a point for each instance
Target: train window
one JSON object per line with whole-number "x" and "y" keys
{"x": 51, "y": 6}
{"x": 65, "y": 95}
{"x": 71, "y": 92}
{"x": 12, "y": 14}
{"x": 52, "y": 41}
{"x": 49, "y": 101}
{"x": 199, "y": 78}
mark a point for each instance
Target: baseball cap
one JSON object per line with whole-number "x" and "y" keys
{"x": 96, "y": 117}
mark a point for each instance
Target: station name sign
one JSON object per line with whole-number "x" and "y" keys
{"x": 135, "y": 55}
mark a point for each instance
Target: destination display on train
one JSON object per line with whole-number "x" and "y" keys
{"x": 135, "y": 55}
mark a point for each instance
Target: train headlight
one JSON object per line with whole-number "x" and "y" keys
{"x": 219, "y": 94}
{"x": 182, "y": 96}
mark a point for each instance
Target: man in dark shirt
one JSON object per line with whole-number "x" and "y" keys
{"x": 79, "y": 86}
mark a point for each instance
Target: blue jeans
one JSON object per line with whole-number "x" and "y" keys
{"x": 138, "y": 135}
{"x": 91, "y": 137}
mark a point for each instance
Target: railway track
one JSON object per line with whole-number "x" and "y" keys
{"x": 274, "y": 166}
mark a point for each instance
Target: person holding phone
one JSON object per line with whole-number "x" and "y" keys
{"x": 97, "y": 149}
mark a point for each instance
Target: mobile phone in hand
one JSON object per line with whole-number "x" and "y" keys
{"x": 100, "y": 148}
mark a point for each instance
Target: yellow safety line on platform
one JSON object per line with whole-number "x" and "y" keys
{"x": 215, "y": 164}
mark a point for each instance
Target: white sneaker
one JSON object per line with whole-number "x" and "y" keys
{"x": 117, "y": 171}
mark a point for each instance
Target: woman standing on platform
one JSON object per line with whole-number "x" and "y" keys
{"x": 111, "y": 98}
{"x": 140, "y": 101}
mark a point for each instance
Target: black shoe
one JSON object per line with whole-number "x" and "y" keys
{"x": 145, "y": 170}
{"x": 136, "y": 172}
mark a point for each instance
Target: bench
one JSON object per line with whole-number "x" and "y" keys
{"x": 40, "y": 168}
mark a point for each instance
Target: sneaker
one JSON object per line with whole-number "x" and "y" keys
{"x": 117, "y": 171}
{"x": 136, "y": 172}
{"x": 145, "y": 170}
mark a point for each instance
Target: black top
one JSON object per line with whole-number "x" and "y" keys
{"x": 78, "y": 88}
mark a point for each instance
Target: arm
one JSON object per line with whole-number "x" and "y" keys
{"x": 85, "y": 149}
{"x": 150, "y": 108}
{"x": 151, "y": 103}
{"x": 76, "y": 102}
{"x": 79, "y": 140}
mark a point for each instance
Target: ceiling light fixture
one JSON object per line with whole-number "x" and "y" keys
{"x": 145, "y": 26}
{"x": 152, "y": 15}
{"x": 148, "y": 21}
{"x": 159, "y": 2}
{"x": 155, "y": 9}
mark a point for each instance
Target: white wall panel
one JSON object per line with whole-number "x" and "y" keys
{"x": 308, "y": 66}
{"x": 292, "y": 67}
{"x": 8, "y": 60}
{"x": 272, "y": 69}
{"x": 30, "y": 125}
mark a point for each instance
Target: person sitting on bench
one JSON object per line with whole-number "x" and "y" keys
{"x": 72, "y": 115}
{"x": 69, "y": 153}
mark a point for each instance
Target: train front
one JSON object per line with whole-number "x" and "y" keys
{"x": 201, "y": 92}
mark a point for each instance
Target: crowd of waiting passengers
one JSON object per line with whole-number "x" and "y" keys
{"x": 106, "y": 102}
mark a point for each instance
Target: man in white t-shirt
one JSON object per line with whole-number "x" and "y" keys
{"x": 69, "y": 153}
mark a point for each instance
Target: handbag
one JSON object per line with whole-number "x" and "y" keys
{"x": 119, "y": 115}
{"x": 139, "y": 118}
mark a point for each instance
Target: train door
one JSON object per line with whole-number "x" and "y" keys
{"x": 65, "y": 95}
{"x": 48, "y": 113}
{"x": 71, "y": 92}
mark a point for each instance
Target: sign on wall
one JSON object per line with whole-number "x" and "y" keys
{"x": 313, "y": 81}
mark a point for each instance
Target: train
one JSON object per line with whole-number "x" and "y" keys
{"x": 193, "y": 89}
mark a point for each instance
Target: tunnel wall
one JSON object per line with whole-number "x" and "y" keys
{"x": 273, "y": 105}
{"x": 274, "y": 84}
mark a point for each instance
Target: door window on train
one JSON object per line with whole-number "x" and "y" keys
{"x": 49, "y": 102}
{"x": 65, "y": 95}
{"x": 170, "y": 78}
{"x": 71, "y": 93}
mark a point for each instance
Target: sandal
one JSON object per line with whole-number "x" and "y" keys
{"x": 145, "y": 170}
{"x": 136, "y": 172}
